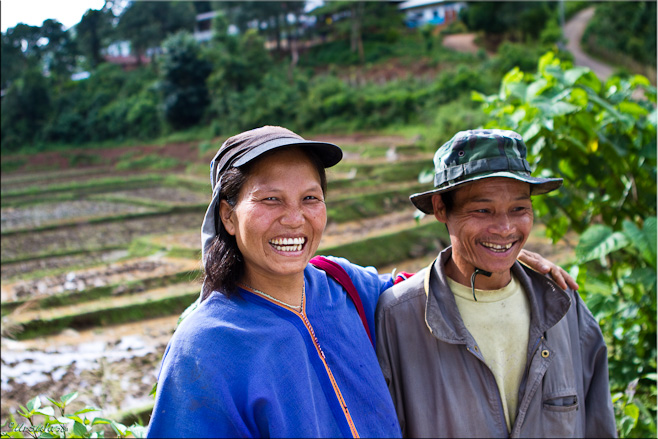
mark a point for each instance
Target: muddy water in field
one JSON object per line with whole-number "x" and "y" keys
{"x": 43, "y": 214}
{"x": 114, "y": 367}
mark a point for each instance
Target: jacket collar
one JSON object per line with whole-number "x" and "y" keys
{"x": 548, "y": 303}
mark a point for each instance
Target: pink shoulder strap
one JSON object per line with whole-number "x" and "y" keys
{"x": 339, "y": 274}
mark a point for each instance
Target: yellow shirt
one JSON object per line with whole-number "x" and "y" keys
{"x": 499, "y": 322}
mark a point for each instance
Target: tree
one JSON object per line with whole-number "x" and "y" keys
{"x": 517, "y": 20}
{"x": 20, "y": 52}
{"x": 25, "y": 109}
{"x": 59, "y": 52}
{"x": 183, "y": 85}
{"x": 27, "y": 38}
{"x": 360, "y": 22}
{"x": 356, "y": 20}
{"x": 624, "y": 27}
{"x": 13, "y": 61}
{"x": 268, "y": 17}
{"x": 49, "y": 47}
{"x": 239, "y": 61}
{"x": 93, "y": 32}
{"x": 146, "y": 24}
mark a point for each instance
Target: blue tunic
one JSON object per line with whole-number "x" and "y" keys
{"x": 247, "y": 367}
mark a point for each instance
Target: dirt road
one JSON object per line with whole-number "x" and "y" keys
{"x": 573, "y": 32}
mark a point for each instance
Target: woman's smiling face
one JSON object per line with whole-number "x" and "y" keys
{"x": 279, "y": 217}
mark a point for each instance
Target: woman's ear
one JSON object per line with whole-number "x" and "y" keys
{"x": 227, "y": 217}
{"x": 439, "y": 208}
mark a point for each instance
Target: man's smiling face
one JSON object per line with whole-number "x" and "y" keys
{"x": 489, "y": 223}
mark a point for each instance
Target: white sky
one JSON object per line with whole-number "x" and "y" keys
{"x": 67, "y": 12}
{"x": 34, "y": 12}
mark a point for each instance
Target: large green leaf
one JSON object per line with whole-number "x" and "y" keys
{"x": 634, "y": 109}
{"x": 643, "y": 239}
{"x": 649, "y": 230}
{"x": 34, "y": 403}
{"x": 45, "y": 411}
{"x": 69, "y": 397}
{"x": 79, "y": 429}
{"x": 562, "y": 108}
{"x": 572, "y": 75}
{"x": 599, "y": 241}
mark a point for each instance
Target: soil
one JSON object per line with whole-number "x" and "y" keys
{"x": 573, "y": 32}
{"x": 110, "y": 274}
{"x": 113, "y": 368}
{"x": 183, "y": 151}
{"x": 461, "y": 42}
{"x": 89, "y": 236}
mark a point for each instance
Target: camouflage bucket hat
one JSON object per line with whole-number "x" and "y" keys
{"x": 476, "y": 154}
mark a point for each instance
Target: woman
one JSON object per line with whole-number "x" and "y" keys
{"x": 276, "y": 348}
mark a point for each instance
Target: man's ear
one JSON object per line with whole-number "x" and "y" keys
{"x": 227, "y": 217}
{"x": 439, "y": 208}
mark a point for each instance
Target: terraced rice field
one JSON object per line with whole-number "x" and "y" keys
{"x": 97, "y": 265}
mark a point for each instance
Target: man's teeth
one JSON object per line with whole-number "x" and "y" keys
{"x": 288, "y": 244}
{"x": 498, "y": 247}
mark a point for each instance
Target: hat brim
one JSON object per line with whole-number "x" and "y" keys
{"x": 538, "y": 186}
{"x": 328, "y": 153}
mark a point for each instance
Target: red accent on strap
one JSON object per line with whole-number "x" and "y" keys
{"x": 339, "y": 274}
{"x": 402, "y": 276}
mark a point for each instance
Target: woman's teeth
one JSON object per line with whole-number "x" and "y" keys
{"x": 498, "y": 247}
{"x": 288, "y": 244}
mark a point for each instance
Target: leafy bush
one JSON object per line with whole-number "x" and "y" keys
{"x": 451, "y": 84}
{"x": 112, "y": 104}
{"x": 45, "y": 422}
{"x": 511, "y": 55}
{"x": 627, "y": 28}
{"x": 601, "y": 139}
{"x": 25, "y": 110}
{"x": 184, "y": 72}
{"x": 460, "y": 114}
{"x": 144, "y": 118}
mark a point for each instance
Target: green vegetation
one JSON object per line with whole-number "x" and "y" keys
{"x": 90, "y": 294}
{"x": 323, "y": 88}
{"x": 601, "y": 139}
{"x": 107, "y": 314}
{"x": 43, "y": 421}
{"x": 370, "y": 205}
{"x": 624, "y": 32}
{"x": 372, "y": 75}
{"x": 393, "y": 247}
{"x": 97, "y": 185}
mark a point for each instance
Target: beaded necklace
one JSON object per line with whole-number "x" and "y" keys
{"x": 281, "y": 302}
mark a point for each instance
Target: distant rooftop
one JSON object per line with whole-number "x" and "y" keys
{"x": 409, "y": 4}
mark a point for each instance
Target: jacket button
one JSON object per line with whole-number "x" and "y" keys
{"x": 545, "y": 353}
{"x": 477, "y": 349}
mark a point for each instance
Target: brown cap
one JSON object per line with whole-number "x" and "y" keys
{"x": 242, "y": 148}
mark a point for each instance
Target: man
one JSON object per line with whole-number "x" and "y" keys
{"x": 476, "y": 344}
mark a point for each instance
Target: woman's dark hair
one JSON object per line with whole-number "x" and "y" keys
{"x": 224, "y": 265}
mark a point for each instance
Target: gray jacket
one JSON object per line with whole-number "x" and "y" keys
{"x": 442, "y": 387}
